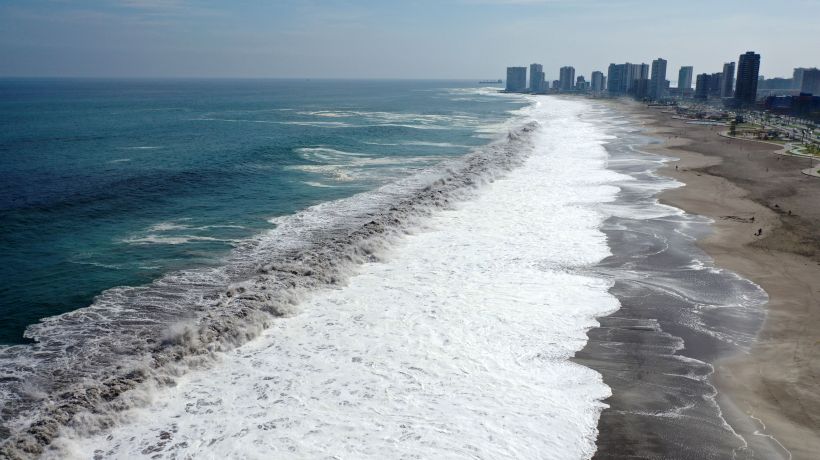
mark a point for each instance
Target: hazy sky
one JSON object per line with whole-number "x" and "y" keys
{"x": 396, "y": 39}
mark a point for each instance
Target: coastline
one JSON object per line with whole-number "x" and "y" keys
{"x": 767, "y": 394}
{"x": 678, "y": 314}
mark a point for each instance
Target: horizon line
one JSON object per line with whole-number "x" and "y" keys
{"x": 186, "y": 77}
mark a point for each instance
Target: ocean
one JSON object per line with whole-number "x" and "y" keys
{"x": 328, "y": 269}
{"x": 115, "y": 183}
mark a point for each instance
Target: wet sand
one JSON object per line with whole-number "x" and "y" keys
{"x": 777, "y": 384}
{"x": 770, "y": 394}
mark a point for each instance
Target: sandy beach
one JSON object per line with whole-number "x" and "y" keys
{"x": 769, "y": 394}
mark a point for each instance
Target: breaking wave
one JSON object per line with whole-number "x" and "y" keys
{"x": 83, "y": 365}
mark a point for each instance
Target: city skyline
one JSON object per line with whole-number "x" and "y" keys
{"x": 369, "y": 39}
{"x": 744, "y": 88}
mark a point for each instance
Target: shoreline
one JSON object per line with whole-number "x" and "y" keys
{"x": 769, "y": 394}
{"x": 677, "y": 315}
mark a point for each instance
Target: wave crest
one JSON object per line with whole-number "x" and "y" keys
{"x": 85, "y": 365}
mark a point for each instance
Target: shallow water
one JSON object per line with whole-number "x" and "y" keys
{"x": 679, "y": 314}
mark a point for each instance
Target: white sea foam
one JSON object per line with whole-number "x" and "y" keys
{"x": 387, "y": 118}
{"x": 434, "y": 144}
{"x": 381, "y": 143}
{"x": 173, "y": 240}
{"x": 482, "y": 91}
{"x": 318, "y": 184}
{"x": 364, "y": 119}
{"x": 342, "y": 166}
{"x": 316, "y": 124}
{"x": 171, "y": 226}
{"x": 339, "y": 173}
{"x": 325, "y": 153}
{"x": 456, "y": 345}
{"x": 168, "y": 226}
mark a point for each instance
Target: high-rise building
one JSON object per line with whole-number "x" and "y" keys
{"x": 727, "y": 84}
{"x": 748, "y": 69}
{"x": 516, "y": 79}
{"x": 685, "y": 80}
{"x": 716, "y": 85}
{"x": 628, "y": 79}
{"x": 537, "y": 83}
{"x": 702, "y": 86}
{"x": 636, "y": 74}
{"x": 567, "y": 78}
{"x": 641, "y": 88}
{"x": 616, "y": 76}
{"x": 598, "y": 84}
{"x": 556, "y": 85}
{"x": 657, "y": 84}
{"x": 797, "y": 77}
{"x": 810, "y": 81}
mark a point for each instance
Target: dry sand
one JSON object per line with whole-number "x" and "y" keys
{"x": 774, "y": 390}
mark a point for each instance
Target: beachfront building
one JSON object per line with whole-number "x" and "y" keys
{"x": 640, "y": 89}
{"x": 748, "y": 69}
{"x": 516, "y": 79}
{"x": 628, "y": 78}
{"x": 581, "y": 84}
{"x": 598, "y": 81}
{"x": 810, "y": 81}
{"x": 637, "y": 79}
{"x": 727, "y": 84}
{"x": 616, "y": 79}
{"x": 556, "y": 85}
{"x": 702, "y": 86}
{"x": 797, "y": 76}
{"x": 537, "y": 82}
{"x": 657, "y": 84}
{"x": 567, "y": 78}
{"x": 685, "y": 80}
{"x": 715, "y": 85}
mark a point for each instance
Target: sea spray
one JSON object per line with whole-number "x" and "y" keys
{"x": 453, "y": 341}
{"x": 85, "y": 363}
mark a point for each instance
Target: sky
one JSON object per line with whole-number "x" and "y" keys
{"x": 451, "y": 39}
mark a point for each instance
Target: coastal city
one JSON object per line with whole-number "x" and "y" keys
{"x": 776, "y": 110}
{"x": 338, "y": 230}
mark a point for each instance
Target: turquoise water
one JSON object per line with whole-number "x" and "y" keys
{"x": 114, "y": 182}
